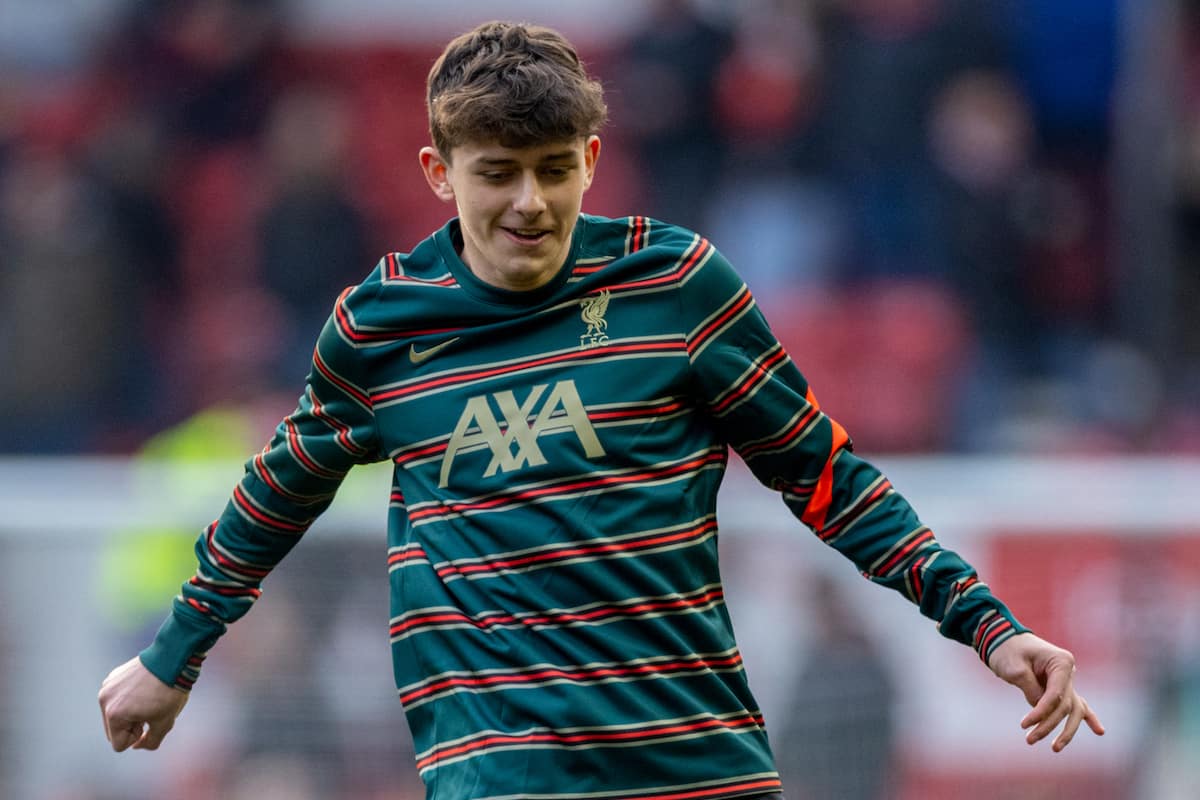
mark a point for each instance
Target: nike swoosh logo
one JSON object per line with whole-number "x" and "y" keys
{"x": 418, "y": 356}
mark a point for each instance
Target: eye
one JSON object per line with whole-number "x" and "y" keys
{"x": 495, "y": 176}
{"x": 556, "y": 173}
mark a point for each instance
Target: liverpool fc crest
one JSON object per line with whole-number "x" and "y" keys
{"x": 592, "y": 313}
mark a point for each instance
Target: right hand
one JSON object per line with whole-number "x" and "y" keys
{"x": 137, "y": 708}
{"x": 1045, "y": 673}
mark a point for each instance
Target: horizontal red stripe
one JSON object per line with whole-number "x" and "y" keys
{"x": 428, "y": 450}
{"x": 587, "y": 270}
{"x": 492, "y": 620}
{"x": 766, "y": 784}
{"x": 446, "y": 509}
{"x": 574, "y": 675}
{"x": 633, "y": 413}
{"x": 595, "y": 416}
{"x": 586, "y": 355}
{"x": 587, "y": 738}
{"x": 571, "y": 552}
{"x": 415, "y": 553}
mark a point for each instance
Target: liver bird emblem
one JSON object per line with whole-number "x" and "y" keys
{"x": 592, "y": 310}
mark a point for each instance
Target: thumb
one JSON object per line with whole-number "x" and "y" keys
{"x": 155, "y": 732}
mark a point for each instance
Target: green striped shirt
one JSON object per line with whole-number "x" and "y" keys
{"x": 559, "y": 628}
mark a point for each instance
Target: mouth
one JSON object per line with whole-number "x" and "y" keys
{"x": 527, "y": 236}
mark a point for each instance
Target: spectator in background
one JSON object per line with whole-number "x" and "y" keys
{"x": 122, "y": 158}
{"x": 665, "y": 103}
{"x": 885, "y": 61}
{"x": 286, "y": 721}
{"x": 204, "y": 67}
{"x": 981, "y": 140}
{"x": 837, "y": 738}
{"x": 981, "y": 144}
{"x": 1023, "y": 247}
{"x": 205, "y": 75}
{"x": 312, "y": 236}
{"x": 773, "y": 213}
{"x": 1064, "y": 56}
{"x": 63, "y": 322}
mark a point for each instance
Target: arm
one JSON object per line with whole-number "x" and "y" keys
{"x": 284, "y": 489}
{"x": 764, "y": 408}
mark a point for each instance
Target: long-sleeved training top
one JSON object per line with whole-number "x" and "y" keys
{"x": 558, "y": 627}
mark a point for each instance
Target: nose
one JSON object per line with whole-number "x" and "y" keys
{"x": 529, "y": 200}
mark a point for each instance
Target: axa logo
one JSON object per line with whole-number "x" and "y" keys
{"x": 515, "y": 444}
{"x": 591, "y": 311}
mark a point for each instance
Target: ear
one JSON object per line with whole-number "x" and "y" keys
{"x": 436, "y": 170}
{"x": 591, "y": 154}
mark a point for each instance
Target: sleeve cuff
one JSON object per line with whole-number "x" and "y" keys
{"x": 179, "y": 649}
{"x": 993, "y": 628}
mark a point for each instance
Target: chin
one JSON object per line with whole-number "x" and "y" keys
{"x": 526, "y": 273}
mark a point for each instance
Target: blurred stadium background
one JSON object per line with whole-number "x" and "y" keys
{"x": 975, "y": 224}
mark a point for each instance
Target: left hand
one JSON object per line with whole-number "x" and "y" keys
{"x": 1046, "y": 675}
{"x": 138, "y": 709}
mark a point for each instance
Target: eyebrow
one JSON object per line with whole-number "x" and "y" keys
{"x": 565, "y": 155}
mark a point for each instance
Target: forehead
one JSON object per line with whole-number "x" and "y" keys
{"x": 495, "y": 153}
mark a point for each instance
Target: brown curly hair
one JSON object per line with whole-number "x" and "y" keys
{"x": 515, "y": 84}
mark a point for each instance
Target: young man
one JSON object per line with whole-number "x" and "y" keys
{"x": 557, "y": 392}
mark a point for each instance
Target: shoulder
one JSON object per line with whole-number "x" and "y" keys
{"x": 615, "y": 237}
{"x": 639, "y": 248}
{"x": 404, "y": 295}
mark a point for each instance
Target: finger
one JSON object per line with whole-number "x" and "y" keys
{"x": 124, "y": 735}
{"x": 104, "y": 719}
{"x": 1042, "y": 709}
{"x": 1058, "y": 682}
{"x": 154, "y": 735}
{"x": 1078, "y": 711}
{"x": 1094, "y": 722}
{"x": 1056, "y": 715}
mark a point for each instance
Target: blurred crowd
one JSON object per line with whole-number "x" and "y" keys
{"x": 938, "y": 202}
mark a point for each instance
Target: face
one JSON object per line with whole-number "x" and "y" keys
{"x": 517, "y": 206}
